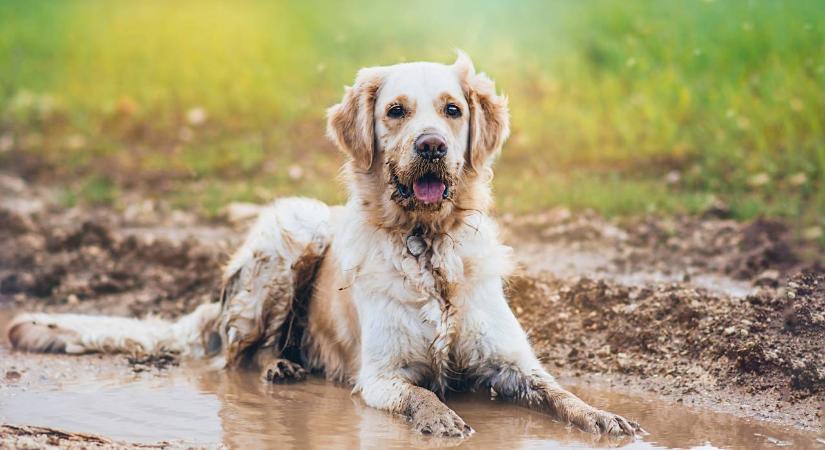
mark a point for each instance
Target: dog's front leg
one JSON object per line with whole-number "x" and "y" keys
{"x": 506, "y": 363}
{"x": 536, "y": 389}
{"x": 421, "y": 406}
{"x": 392, "y": 341}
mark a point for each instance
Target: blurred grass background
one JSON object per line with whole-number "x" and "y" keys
{"x": 621, "y": 106}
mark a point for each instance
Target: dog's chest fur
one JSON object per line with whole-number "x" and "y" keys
{"x": 435, "y": 271}
{"x": 412, "y": 309}
{"x": 420, "y": 299}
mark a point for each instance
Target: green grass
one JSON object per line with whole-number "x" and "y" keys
{"x": 607, "y": 97}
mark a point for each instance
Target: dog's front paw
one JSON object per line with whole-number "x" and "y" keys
{"x": 283, "y": 370}
{"x": 602, "y": 422}
{"x": 442, "y": 423}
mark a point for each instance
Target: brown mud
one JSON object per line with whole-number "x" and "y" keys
{"x": 703, "y": 311}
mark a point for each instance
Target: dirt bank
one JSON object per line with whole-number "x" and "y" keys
{"x": 144, "y": 259}
{"x": 760, "y": 355}
{"x": 699, "y": 309}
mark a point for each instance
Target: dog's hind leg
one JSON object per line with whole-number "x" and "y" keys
{"x": 275, "y": 263}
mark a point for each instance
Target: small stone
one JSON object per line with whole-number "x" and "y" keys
{"x": 769, "y": 277}
{"x": 75, "y": 142}
{"x": 760, "y": 179}
{"x": 13, "y": 375}
{"x": 798, "y": 179}
{"x": 295, "y": 172}
{"x": 729, "y": 331}
{"x": 673, "y": 177}
{"x": 196, "y": 116}
{"x": 812, "y": 233}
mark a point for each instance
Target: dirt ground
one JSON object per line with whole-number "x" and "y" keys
{"x": 701, "y": 310}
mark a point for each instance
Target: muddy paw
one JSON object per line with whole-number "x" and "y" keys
{"x": 605, "y": 423}
{"x": 283, "y": 370}
{"x": 444, "y": 423}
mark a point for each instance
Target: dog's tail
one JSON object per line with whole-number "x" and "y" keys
{"x": 193, "y": 334}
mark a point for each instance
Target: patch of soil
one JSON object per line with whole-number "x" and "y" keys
{"x": 90, "y": 262}
{"x": 763, "y": 250}
{"x": 769, "y": 344}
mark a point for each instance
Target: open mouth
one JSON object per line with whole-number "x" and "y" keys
{"x": 427, "y": 189}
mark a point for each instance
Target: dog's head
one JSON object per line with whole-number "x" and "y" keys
{"x": 421, "y": 138}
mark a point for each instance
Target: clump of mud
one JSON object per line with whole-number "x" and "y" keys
{"x": 148, "y": 363}
{"x": 768, "y": 342}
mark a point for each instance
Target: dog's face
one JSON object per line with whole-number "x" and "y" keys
{"x": 421, "y": 128}
{"x": 419, "y": 135}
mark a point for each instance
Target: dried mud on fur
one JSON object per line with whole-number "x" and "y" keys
{"x": 580, "y": 294}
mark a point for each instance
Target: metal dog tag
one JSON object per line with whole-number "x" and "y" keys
{"x": 416, "y": 245}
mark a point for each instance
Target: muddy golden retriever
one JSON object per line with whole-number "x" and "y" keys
{"x": 398, "y": 292}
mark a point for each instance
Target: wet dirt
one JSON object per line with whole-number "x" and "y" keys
{"x": 696, "y": 311}
{"x": 704, "y": 251}
{"x": 143, "y": 259}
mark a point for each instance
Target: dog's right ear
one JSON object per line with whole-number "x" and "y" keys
{"x": 350, "y": 124}
{"x": 489, "y": 116}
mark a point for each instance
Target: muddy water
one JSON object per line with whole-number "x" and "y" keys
{"x": 199, "y": 405}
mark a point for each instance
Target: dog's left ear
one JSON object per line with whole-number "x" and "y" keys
{"x": 489, "y": 116}
{"x": 350, "y": 124}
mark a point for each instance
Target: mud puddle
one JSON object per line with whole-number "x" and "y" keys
{"x": 199, "y": 406}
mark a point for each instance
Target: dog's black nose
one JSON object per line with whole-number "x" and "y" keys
{"x": 430, "y": 146}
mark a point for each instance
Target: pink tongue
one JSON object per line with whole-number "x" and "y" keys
{"x": 428, "y": 190}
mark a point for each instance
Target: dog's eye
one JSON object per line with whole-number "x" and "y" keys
{"x": 396, "y": 112}
{"x": 451, "y": 110}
